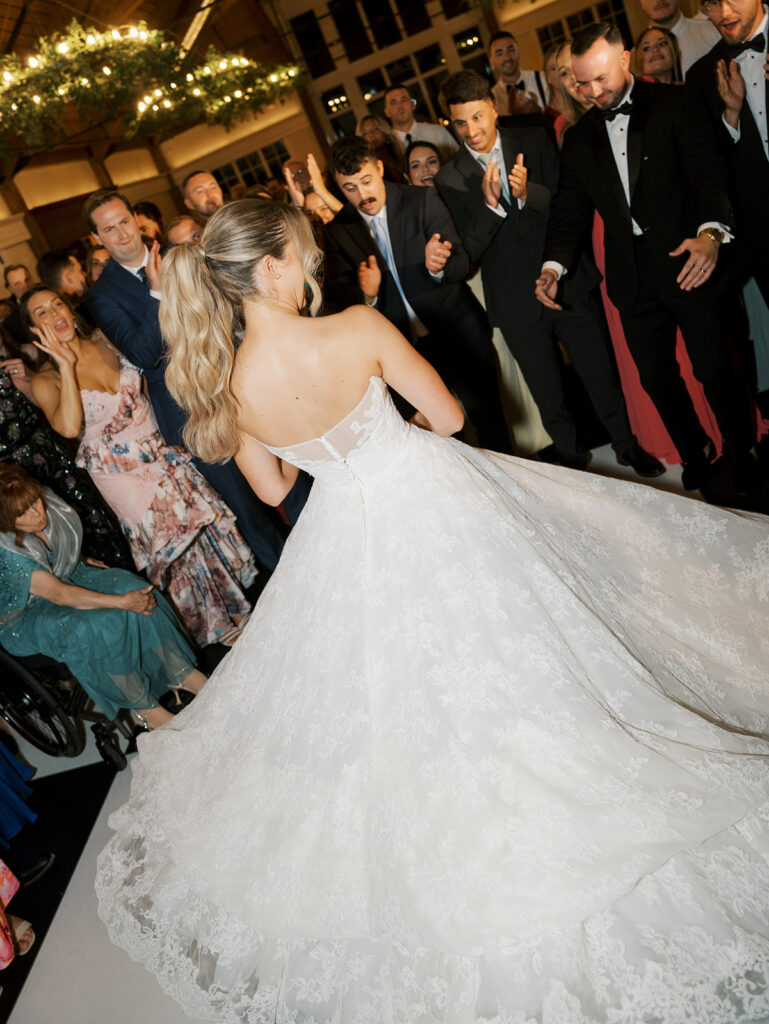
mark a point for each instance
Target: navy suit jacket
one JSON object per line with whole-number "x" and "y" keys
{"x": 125, "y": 311}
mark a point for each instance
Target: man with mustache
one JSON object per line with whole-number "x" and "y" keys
{"x": 394, "y": 247}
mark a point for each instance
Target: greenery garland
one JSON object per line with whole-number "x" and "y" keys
{"x": 133, "y": 75}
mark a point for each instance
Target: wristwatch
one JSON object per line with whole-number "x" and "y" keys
{"x": 715, "y": 234}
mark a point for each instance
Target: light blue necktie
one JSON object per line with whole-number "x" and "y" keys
{"x": 496, "y": 155}
{"x": 382, "y": 239}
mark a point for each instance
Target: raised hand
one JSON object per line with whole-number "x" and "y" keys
{"x": 369, "y": 277}
{"x": 491, "y": 185}
{"x": 518, "y": 178}
{"x": 316, "y": 178}
{"x": 297, "y": 196}
{"x": 153, "y": 268}
{"x": 59, "y": 351}
{"x": 437, "y": 254}
{"x": 731, "y": 89}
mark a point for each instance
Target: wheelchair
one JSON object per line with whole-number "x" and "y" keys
{"x": 42, "y": 702}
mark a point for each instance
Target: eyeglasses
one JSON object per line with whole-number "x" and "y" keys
{"x": 707, "y": 6}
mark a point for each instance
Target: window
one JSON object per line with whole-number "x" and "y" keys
{"x": 614, "y": 11}
{"x": 551, "y": 35}
{"x": 335, "y": 100}
{"x": 312, "y": 44}
{"x": 372, "y": 85}
{"x": 251, "y": 169}
{"x": 430, "y": 58}
{"x": 580, "y": 20}
{"x": 275, "y": 156}
{"x": 413, "y": 15}
{"x": 558, "y": 32}
{"x": 382, "y": 22}
{"x": 349, "y": 25}
{"x": 453, "y": 8}
{"x": 400, "y": 70}
{"x": 468, "y": 42}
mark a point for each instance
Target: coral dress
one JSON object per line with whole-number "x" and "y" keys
{"x": 178, "y": 527}
{"x": 489, "y": 749}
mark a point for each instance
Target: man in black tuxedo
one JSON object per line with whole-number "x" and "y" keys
{"x": 732, "y": 81}
{"x": 650, "y": 169}
{"x": 125, "y": 302}
{"x": 502, "y": 222}
{"x": 394, "y": 247}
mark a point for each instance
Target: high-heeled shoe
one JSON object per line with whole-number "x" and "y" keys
{"x": 177, "y": 699}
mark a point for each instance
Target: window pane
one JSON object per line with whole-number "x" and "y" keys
{"x": 312, "y": 44}
{"x": 430, "y": 58}
{"x": 372, "y": 84}
{"x": 468, "y": 42}
{"x": 551, "y": 35}
{"x": 615, "y": 13}
{"x": 452, "y": 8}
{"x": 400, "y": 70}
{"x": 382, "y": 22}
{"x": 275, "y": 156}
{"x": 344, "y": 125}
{"x": 413, "y": 15}
{"x": 335, "y": 100}
{"x": 349, "y": 25}
{"x": 580, "y": 20}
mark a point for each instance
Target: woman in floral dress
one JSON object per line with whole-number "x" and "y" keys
{"x": 179, "y": 529}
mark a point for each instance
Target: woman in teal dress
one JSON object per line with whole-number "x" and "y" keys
{"x": 116, "y": 634}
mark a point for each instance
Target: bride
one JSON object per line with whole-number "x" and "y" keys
{"x": 493, "y": 745}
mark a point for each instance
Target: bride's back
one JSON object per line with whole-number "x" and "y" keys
{"x": 296, "y": 377}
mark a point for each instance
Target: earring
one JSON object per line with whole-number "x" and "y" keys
{"x": 272, "y": 271}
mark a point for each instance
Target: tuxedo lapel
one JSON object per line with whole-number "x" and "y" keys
{"x": 635, "y": 136}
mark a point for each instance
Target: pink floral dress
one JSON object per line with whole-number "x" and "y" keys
{"x": 178, "y": 527}
{"x": 9, "y": 884}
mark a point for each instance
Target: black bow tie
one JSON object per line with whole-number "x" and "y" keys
{"x": 521, "y": 86}
{"x": 756, "y": 43}
{"x": 623, "y": 108}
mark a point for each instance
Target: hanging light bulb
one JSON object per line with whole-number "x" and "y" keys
{"x": 133, "y": 32}
{"x": 115, "y": 34}
{"x": 107, "y": 71}
{"x": 90, "y": 40}
{"x": 35, "y": 99}
{"x": 62, "y": 47}
{"x": 196, "y": 92}
{"x": 34, "y": 62}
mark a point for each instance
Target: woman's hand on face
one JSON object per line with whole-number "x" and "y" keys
{"x": 142, "y": 602}
{"x": 59, "y": 351}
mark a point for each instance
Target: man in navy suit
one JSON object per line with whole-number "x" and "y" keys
{"x": 124, "y": 302}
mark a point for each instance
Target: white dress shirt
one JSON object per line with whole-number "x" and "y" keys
{"x": 752, "y": 70}
{"x": 696, "y": 37}
{"x": 142, "y": 266}
{"x": 422, "y": 131}
{"x": 532, "y": 81}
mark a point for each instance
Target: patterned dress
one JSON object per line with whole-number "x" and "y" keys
{"x": 26, "y": 440}
{"x": 179, "y": 529}
{"x": 9, "y": 884}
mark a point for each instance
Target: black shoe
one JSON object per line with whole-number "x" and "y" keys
{"x": 28, "y": 876}
{"x": 747, "y": 474}
{"x": 577, "y": 459}
{"x": 642, "y": 462}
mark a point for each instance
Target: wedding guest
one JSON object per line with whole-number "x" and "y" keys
{"x": 499, "y": 200}
{"x": 318, "y": 202}
{"x": 150, "y": 221}
{"x": 556, "y": 98}
{"x": 202, "y": 193}
{"x": 180, "y": 531}
{"x": 379, "y": 135}
{"x": 16, "y": 935}
{"x": 423, "y": 161}
{"x": 184, "y": 229}
{"x": 95, "y": 261}
{"x": 695, "y": 36}
{"x": 515, "y": 91}
{"x": 399, "y": 108}
{"x": 658, "y": 56}
{"x": 26, "y": 440}
{"x": 17, "y": 281}
{"x": 118, "y": 637}
{"x": 572, "y": 104}
{"x": 662, "y": 246}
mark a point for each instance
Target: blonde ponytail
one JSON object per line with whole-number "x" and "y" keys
{"x": 203, "y": 291}
{"x": 197, "y": 327}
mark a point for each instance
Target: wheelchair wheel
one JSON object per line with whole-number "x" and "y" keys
{"x": 34, "y": 712}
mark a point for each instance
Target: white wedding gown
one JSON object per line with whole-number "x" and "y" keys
{"x": 488, "y": 750}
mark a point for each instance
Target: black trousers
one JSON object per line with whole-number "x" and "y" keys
{"x": 582, "y": 331}
{"x": 650, "y": 329}
{"x": 464, "y": 357}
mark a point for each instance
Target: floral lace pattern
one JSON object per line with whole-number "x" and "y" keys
{"x": 492, "y": 748}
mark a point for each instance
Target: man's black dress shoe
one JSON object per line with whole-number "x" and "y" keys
{"x": 556, "y": 457}
{"x": 642, "y": 462}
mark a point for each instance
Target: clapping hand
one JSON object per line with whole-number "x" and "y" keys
{"x": 297, "y": 196}
{"x": 437, "y": 254}
{"x": 491, "y": 185}
{"x": 64, "y": 357}
{"x": 369, "y": 277}
{"x": 518, "y": 179}
{"x": 731, "y": 89}
{"x": 153, "y": 270}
